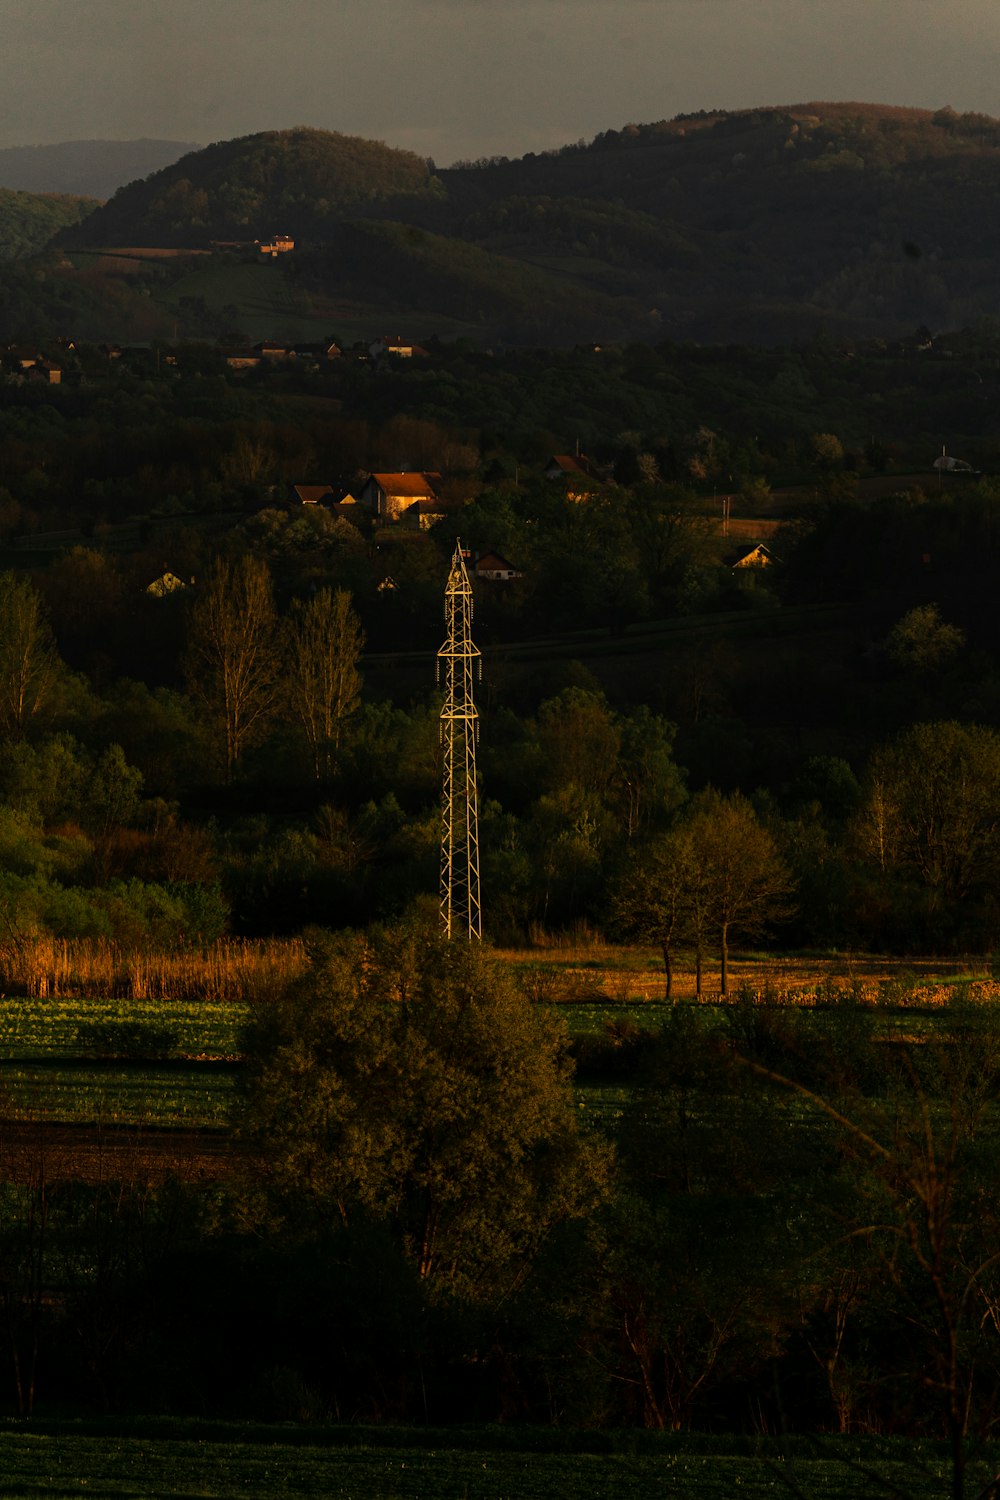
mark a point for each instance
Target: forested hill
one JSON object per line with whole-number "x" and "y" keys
{"x": 756, "y": 227}
{"x": 297, "y": 182}
{"x": 29, "y": 220}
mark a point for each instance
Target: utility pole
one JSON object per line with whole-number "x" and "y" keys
{"x": 461, "y": 915}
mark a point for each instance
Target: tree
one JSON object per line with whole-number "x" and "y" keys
{"x": 931, "y": 808}
{"x": 744, "y": 882}
{"x": 917, "y": 1170}
{"x": 921, "y": 642}
{"x": 323, "y": 645}
{"x": 653, "y": 902}
{"x": 29, "y": 662}
{"x": 408, "y": 1081}
{"x": 233, "y": 659}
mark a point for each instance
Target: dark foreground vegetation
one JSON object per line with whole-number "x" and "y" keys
{"x": 787, "y": 1229}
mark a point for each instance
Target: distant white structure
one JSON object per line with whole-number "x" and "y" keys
{"x": 946, "y": 464}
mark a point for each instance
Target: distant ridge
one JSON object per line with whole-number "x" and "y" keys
{"x": 768, "y": 225}
{"x": 86, "y": 169}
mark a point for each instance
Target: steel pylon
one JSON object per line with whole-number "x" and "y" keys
{"x": 461, "y": 914}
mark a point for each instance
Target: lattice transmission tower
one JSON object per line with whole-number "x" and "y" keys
{"x": 461, "y": 914}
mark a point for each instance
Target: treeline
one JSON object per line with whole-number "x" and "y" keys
{"x": 266, "y": 792}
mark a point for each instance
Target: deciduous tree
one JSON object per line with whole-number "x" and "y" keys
{"x": 409, "y": 1081}
{"x": 233, "y": 657}
{"x": 29, "y": 662}
{"x": 324, "y": 644}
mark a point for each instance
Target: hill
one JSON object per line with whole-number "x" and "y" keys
{"x": 29, "y": 220}
{"x": 760, "y": 227}
{"x": 297, "y": 182}
{"x": 89, "y": 169}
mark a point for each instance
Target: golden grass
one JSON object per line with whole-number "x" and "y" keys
{"x": 223, "y": 973}
{"x": 594, "y": 972}
{"x": 585, "y": 970}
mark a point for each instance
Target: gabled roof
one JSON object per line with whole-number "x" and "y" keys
{"x": 492, "y": 562}
{"x": 570, "y": 465}
{"x": 313, "y": 494}
{"x": 408, "y": 482}
{"x": 751, "y": 557}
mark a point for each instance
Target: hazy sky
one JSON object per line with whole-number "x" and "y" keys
{"x": 468, "y": 78}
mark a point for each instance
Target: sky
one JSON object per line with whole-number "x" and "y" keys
{"x": 460, "y": 79}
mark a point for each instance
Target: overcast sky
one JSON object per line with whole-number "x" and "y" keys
{"x": 468, "y": 78}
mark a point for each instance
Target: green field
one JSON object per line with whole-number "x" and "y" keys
{"x": 211, "y": 1460}
{"x": 119, "y": 1062}
{"x": 175, "y": 1064}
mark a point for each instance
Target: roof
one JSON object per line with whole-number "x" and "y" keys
{"x": 569, "y": 464}
{"x": 493, "y": 562}
{"x": 751, "y": 557}
{"x": 312, "y": 494}
{"x": 408, "y": 482}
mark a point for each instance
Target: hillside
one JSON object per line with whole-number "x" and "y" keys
{"x": 29, "y": 220}
{"x": 89, "y": 169}
{"x": 758, "y": 227}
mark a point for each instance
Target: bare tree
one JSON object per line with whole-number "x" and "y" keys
{"x": 741, "y": 876}
{"x": 233, "y": 657}
{"x": 29, "y": 661}
{"x": 324, "y": 644}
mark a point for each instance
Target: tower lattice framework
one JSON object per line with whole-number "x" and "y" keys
{"x": 461, "y": 914}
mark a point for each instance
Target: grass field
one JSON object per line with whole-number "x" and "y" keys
{"x": 143, "y": 1459}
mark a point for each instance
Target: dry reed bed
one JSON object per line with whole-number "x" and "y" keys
{"x": 231, "y": 970}
{"x": 226, "y": 972}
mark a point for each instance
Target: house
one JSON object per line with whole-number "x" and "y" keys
{"x": 576, "y": 471}
{"x": 241, "y": 359}
{"x": 491, "y": 566}
{"x": 387, "y": 495}
{"x": 326, "y": 349}
{"x": 47, "y": 370}
{"x": 20, "y": 358}
{"x": 281, "y": 244}
{"x": 569, "y": 466}
{"x": 422, "y": 515}
{"x": 274, "y": 350}
{"x": 400, "y": 347}
{"x": 31, "y": 365}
